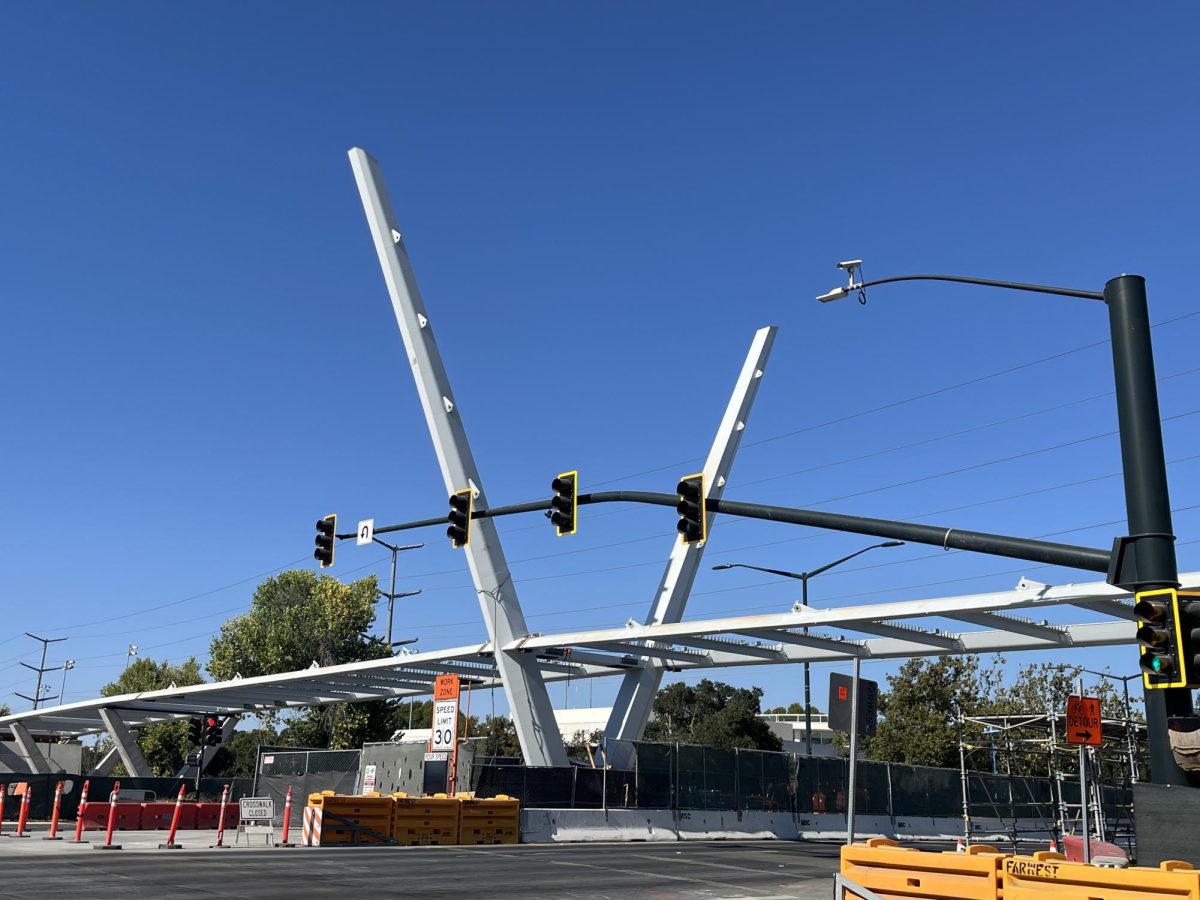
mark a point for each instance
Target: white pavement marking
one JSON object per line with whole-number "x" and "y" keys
{"x": 691, "y": 861}
{"x": 643, "y": 874}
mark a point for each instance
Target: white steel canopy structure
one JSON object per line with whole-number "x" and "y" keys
{"x": 1010, "y": 621}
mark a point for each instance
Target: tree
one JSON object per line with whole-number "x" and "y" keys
{"x": 296, "y": 619}
{"x": 581, "y": 742}
{"x": 713, "y": 714}
{"x": 165, "y": 745}
{"x": 920, "y": 710}
{"x": 498, "y": 736}
{"x": 238, "y": 757}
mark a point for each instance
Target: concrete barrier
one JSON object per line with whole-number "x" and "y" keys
{"x": 567, "y": 825}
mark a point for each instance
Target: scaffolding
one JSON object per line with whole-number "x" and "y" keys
{"x": 1019, "y": 770}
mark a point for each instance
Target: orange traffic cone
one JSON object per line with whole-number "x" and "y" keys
{"x": 958, "y": 846}
{"x": 1053, "y": 846}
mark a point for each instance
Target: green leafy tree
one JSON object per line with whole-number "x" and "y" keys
{"x": 165, "y": 745}
{"x": 713, "y": 714}
{"x": 920, "y": 710}
{"x": 498, "y": 737}
{"x": 581, "y": 742}
{"x": 238, "y": 756}
{"x": 298, "y": 618}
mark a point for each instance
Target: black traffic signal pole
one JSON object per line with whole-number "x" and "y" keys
{"x": 1146, "y": 559}
{"x": 1070, "y": 555}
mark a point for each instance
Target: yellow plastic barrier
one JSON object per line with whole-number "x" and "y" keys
{"x": 1048, "y": 876}
{"x": 495, "y": 820}
{"x": 345, "y": 815}
{"x": 892, "y": 871}
{"x": 424, "y": 820}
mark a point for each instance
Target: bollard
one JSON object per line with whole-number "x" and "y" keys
{"x": 79, "y": 814}
{"x": 23, "y": 816}
{"x": 170, "y": 844}
{"x": 112, "y": 820}
{"x": 53, "y": 836}
{"x": 287, "y": 818}
{"x": 221, "y": 820}
{"x": 3, "y": 792}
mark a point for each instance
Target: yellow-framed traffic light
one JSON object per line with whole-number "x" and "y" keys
{"x": 326, "y": 538}
{"x": 459, "y": 531}
{"x": 1167, "y": 633}
{"x": 692, "y": 509}
{"x": 565, "y": 504}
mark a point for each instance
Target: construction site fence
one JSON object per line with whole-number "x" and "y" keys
{"x": 306, "y": 772}
{"x": 42, "y": 787}
{"x": 681, "y": 776}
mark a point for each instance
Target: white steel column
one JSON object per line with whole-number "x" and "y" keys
{"x": 127, "y": 747}
{"x": 107, "y": 763}
{"x": 631, "y": 711}
{"x": 38, "y": 764}
{"x": 528, "y": 700}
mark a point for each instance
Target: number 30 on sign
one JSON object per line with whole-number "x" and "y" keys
{"x": 445, "y": 725}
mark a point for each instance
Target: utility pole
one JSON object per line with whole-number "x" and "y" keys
{"x": 40, "y": 669}
{"x": 393, "y": 596}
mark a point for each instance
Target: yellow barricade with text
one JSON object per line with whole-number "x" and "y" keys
{"x": 898, "y": 873}
{"x": 424, "y": 820}
{"x": 494, "y": 820}
{"x": 1049, "y": 876}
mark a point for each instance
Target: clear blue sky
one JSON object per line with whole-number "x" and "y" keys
{"x": 200, "y": 357}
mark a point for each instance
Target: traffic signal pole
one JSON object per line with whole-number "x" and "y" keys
{"x": 1146, "y": 559}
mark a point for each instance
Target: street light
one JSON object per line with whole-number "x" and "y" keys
{"x": 62, "y": 691}
{"x": 1143, "y": 560}
{"x": 803, "y": 578}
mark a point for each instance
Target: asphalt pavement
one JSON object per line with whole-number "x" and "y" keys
{"x": 712, "y": 870}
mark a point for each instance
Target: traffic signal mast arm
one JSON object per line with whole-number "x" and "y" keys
{"x": 1075, "y": 557}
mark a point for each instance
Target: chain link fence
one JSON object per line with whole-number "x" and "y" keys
{"x": 306, "y": 772}
{"x": 681, "y": 776}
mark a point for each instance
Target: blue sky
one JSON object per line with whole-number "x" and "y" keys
{"x": 200, "y": 358}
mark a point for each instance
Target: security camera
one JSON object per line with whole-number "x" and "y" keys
{"x": 850, "y": 264}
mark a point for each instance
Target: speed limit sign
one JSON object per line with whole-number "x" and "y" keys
{"x": 445, "y": 726}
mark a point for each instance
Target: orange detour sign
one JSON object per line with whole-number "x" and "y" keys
{"x": 1083, "y": 721}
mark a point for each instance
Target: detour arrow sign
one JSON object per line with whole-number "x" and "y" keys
{"x": 1083, "y": 721}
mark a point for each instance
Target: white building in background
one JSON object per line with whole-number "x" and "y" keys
{"x": 587, "y": 720}
{"x": 790, "y": 728}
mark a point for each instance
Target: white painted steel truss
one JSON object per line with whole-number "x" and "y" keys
{"x": 1010, "y": 621}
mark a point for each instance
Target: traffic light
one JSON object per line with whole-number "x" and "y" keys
{"x": 1189, "y": 635}
{"x": 565, "y": 503}
{"x": 459, "y": 531}
{"x": 693, "y": 525}
{"x": 212, "y": 731}
{"x": 1162, "y": 661}
{"x": 195, "y": 732}
{"x": 326, "y": 536}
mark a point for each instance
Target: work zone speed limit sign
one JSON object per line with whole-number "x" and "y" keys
{"x": 445, "y": 725}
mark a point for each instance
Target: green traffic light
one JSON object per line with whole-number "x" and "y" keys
{"x": 1156, "y": 664}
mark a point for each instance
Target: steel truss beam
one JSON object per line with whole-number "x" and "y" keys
{"x": 307, "y": 686}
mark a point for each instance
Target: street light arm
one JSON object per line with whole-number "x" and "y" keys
{"x": 798, "y": 575}
{"x": 838, "y": 562}
{"x": 964, "y": 279}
